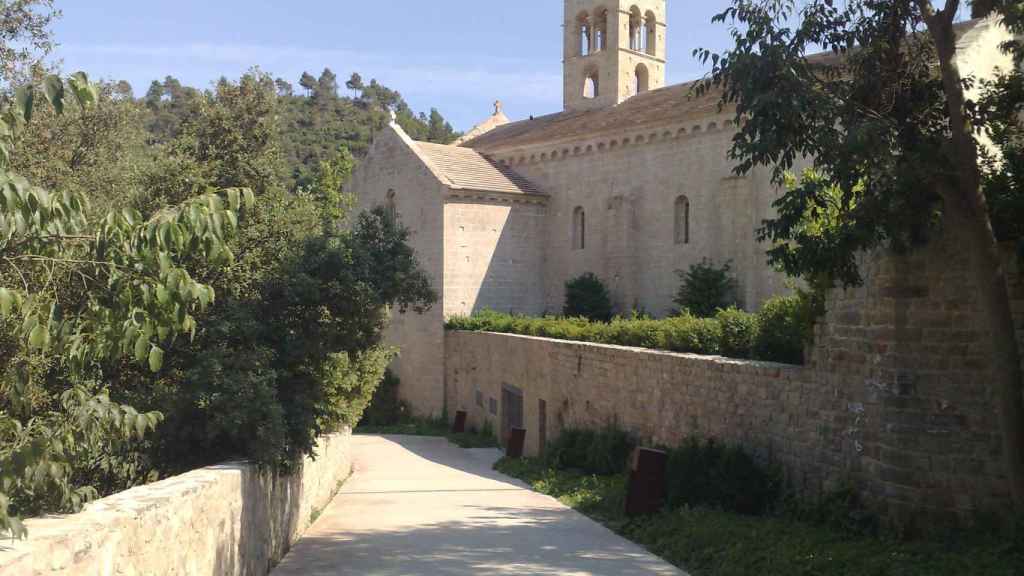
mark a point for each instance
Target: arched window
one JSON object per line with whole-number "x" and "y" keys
{"x": 636, "y": 24}
{"x": 591, "y": 85}
{"x": 650, "y": 34}
{"x": 391, "y": 208}
{"x": 585, "y": 33}
{"x": 682, "y": 220}
{"x": 579, "y": 229}
{"x": 601, "y": 30}
{"x": 642, "y": 82}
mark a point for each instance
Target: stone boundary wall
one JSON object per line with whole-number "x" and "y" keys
{"x": 231, "y": 519}
{"x": 896, "y": 395}
{"x": 775, "y": 410}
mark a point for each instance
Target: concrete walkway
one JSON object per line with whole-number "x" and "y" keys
{"x": 423, "y": 507}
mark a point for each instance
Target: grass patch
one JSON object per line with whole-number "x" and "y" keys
{"x": 713, "y": 543}
{"x": 434, "y": 427}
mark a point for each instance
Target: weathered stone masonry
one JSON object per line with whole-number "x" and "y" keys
{"x": 895, "y": 395}
{"x": 227, "y": 520}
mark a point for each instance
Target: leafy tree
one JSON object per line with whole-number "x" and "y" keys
{"x": 95, "y": 152}
{"x": 438, "y": 129}
{"x": 891, "y": 141}
{"x": 25, "y": 38}
{"x": 355, "y": 83}
{"x": 232, "y": 132}
{"x": 706, "y": 288}
{"x": 312, "y": 130}
{"x": 168, "y": 102}
{"x": 76, "y": 294}
{"x": 292, "y": 347}
{"x": 326, "y": 85}
{"x": 308, "y": 82}
{"x": 587, "y": 297}
{"x": 284, "y": 88}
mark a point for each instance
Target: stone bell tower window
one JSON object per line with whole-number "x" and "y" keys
{"x": 585, "y": 32}
{"x": 591, "y": 85}
{"x": 642, "y": 80}
{"x": 650, "y": 33}
{"x": 601, "y": 30}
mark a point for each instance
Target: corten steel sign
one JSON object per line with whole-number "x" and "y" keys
{"x": 647, "y": 488}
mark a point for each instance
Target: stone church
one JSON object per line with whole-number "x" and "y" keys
{"x": 630, "y": 181}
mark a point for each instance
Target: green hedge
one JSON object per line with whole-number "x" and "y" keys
{"x": 602, "y": 452}
{"x": 732, "y": 332}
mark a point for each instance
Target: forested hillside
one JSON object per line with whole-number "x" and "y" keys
{"x": 316, "y": 118}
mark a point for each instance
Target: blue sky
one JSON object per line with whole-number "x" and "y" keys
{"x": 458, "y": 57}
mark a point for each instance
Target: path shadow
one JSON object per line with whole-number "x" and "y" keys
{"x": 496, "y": 532}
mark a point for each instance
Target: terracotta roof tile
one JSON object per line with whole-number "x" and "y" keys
{"x": 467, "y": 169}
{"x": 667, "y": 105}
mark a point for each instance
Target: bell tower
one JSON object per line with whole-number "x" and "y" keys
{"x": 614, "y": 49}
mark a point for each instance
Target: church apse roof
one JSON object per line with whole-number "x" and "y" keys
{"x": 467, "y": 169}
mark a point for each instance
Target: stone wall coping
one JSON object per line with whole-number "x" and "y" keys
{"x": 82, "y": 533}
{"x": 704, "y": 358}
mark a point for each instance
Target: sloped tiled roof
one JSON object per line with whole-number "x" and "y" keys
{"x": 672, "y": 104}
{"x": 467, "y": 169}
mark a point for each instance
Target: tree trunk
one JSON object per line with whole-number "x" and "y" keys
{"x": 981, "y": 8}
{"x": 965, "y": 197}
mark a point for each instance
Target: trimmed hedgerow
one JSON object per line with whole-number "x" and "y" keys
{"x": 786, "y": 326}
{"x": 740, "y": 332}
{"x": 732, "y": 332}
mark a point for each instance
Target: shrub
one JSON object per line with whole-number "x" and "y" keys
{"x": 602, "y": 452}
{"x": 739, "y": 332}
{"x": 638, "y": 333}
{"x": 786, "y": 324}
{"x": 386, "y": 409}
{"x": 706, "y": 288}
{"x": 587, "y": 297}
{"x": 686, "y": 333}
{"x": 706, "y": 473}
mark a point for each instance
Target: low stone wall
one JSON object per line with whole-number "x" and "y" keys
{"x": 662, "y": 397}
{"x": 231, "y": 519}
{"x": 896, "y": 395}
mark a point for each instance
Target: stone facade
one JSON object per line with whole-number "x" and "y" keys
{"x": 896, "y": 395}
{"x": 630, "y": 186}
{"x": 397, "y": 175}
{"x": 226, "y": 520}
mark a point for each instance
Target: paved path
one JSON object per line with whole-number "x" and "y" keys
{"x": 423, "y": 507}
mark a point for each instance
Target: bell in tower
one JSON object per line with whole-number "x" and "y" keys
{"x": 614, "y": 49}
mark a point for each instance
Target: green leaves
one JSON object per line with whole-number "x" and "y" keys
{"x": 156, "y": 359}
{"x": 81, "y": 294}
{"x": 53, "y": 88}
{"x": 24, "y": 101}
{"x": 85, "y": 92}
{"x": 6, "y": 303}
{"x": 142, "y": 347}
